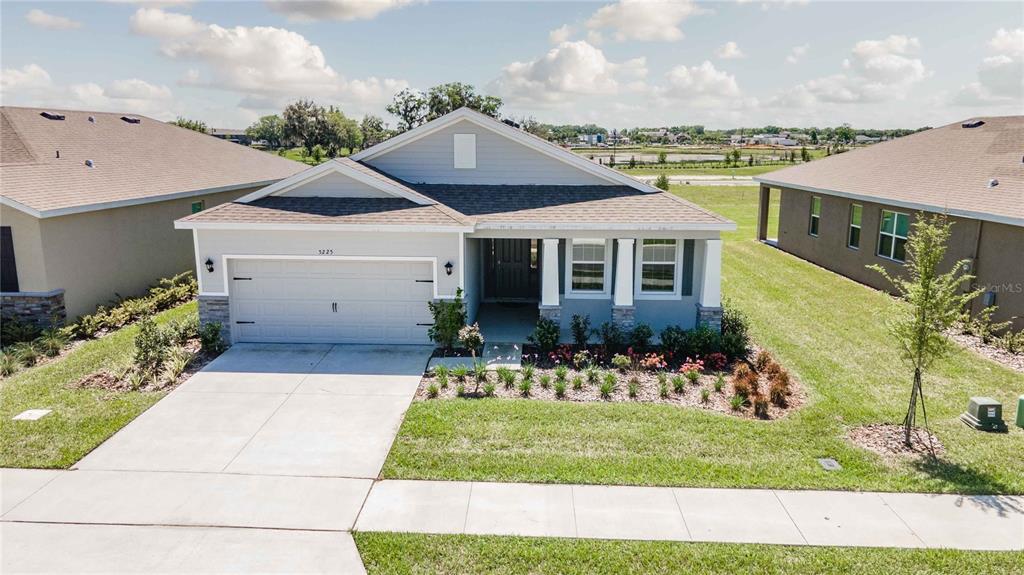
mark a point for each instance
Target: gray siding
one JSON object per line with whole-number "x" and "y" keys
{"x": 499, "y": 160}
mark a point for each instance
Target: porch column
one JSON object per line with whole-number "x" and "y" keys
{"x": 624, "y": 273}
{"x": 709, "y": 309}
{"x": 762, "y": 212}
{"x": 549, "y": 274}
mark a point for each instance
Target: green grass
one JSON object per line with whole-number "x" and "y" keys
{"x": 823, "y": 327}
{"x": 675, "y": 170}
{"x": 401, "y": 553}
{"x": 296, "y": 154}
{"x": 81, "y": 418}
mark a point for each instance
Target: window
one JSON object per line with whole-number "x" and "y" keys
{"x": 198, "y": 206}
{"x": 892, "y": 235}
{"x": 588, "y": 265}
{"x": 854, "y": 239}
{"x": 815, "y": 216}
{"x": 465, "y": 151}
{"x": 658, "y": 266}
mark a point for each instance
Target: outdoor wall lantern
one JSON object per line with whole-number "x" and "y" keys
{"x": 448, "y": 268}
{"x": 209, "y": 265}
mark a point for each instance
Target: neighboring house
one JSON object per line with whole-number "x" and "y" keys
{"x": 850, "y": 210}
{"x": 88, "y": 202}
{"x": 591, "y": 139}
{"x": 231, "y": 135}
{"x": 352, "y": 250}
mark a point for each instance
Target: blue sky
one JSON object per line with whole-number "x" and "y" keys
{"x": 619, "y": 64}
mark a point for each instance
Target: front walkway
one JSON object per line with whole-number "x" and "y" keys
{"x": 685, "y": 514}
{"x": 259, "y": 463}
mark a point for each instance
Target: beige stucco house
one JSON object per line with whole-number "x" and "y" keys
{"x": 88, "y": 202}
{"x": 351, "y": 251}
{"x": 855, "y": 209}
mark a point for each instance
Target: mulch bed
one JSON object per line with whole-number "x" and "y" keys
{"x": 886, "y": 439}
{"x": 1014, "y": 361}
{"x": 109, "y": 381}
{"x": 648, "y": 391}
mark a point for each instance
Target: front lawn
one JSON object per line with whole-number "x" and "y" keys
{"x": 81, "y": 418}
{"x": 821, "y": 326}
{"x": 394, "y": 553}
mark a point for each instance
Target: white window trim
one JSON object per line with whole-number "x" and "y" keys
{"x": 587, "y": 294}
{"x": 894, "y": 235}
{"x": 638, "y": 271}
{"x": 811, "y": 216}
{"x": 860, "y": 226}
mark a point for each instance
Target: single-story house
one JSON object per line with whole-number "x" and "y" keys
{"x": 352, "y": 250}
{"x": 854, "y": 209}
{"x": 232, "y": 135}
{"x": 88, "y": 202}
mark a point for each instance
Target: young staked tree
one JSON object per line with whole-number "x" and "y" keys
{"x": 935, "y": 301}
{"x": 661, "y": 182}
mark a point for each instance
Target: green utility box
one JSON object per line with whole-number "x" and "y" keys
{"x": 1020, "y": 411}
{"x": 984, "y": 413}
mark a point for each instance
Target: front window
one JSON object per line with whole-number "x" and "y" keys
{"x": 658, "y": 266}
{"x": 892, "y": 235}
{"x": 815, "y": 216}
{"x": 855, "y": 213}
{"x": 588, "y": 261}
{"x": 198, "y": 206}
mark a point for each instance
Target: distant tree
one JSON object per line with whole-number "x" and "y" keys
{"x": 317, "y": 154}
{"x": 805, "y": 156}
{"x": 194, "y": 125}
{"x": 374, "y": 130}
{"x": 844, "y": 134}
{"x": 750, "y": 160}
{"x": 662, "y": 158}
{"x": 269, "y": 129}
{"x": 735, "y": 155}
{"x": 935, "y": 301}
{"x": 661, "y": 182}
{"x": 632, "y": 161}
{"x": 445, "y": 98}
{"x": 342, "y": 132}
{"x": 305, "y": 124}
{"x": 410, "y": 107}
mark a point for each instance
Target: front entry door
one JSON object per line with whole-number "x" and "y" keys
{"x": 512, "y": 269}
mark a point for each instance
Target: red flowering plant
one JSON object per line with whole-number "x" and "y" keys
{"x": 561, "y": 355}
{"x": 716, "y": 361}
{"x": 692, "y": 369}
{"x": 653, "y": 362}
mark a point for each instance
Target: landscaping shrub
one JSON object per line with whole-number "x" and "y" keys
{"x": 593, "y": 374}
{"x": 13, "y": 330}
{"x": 608, "y": 387}
{"x": 175, "y": 363}
{"x": 545, "y": 381}
{"x": 741, "y": 387}
{"x": 761, "y": 406}
{"x": 719, "y": 382}
{"x": 26, "y": 353}
{"x": 735, "y": 338}
{"x": 653, "y": 361}
{"x": 152, "y": 344}
{"x": 703, "y": 341}
{"x": 705, "y": 394}
{"x": 210, "y": 338}
{"x": 762, "y": 359}
{"x": 577, "y": 383}
{"x": 545, "y": 335}
{"x": 611, "y": 337}
{"x": 460, "y": 390}
{"x": 51, "y": 341}
{"x": 479, "y": 374}
{"x": 442, "y": 380}
{"x": 489, "y": 389}
{"x": 506, "y": 376}
{"x": 184, "y": 329}
{"x": 737, "y": 401}
{"x": 634, "y": 387}
{"x": 716, "y": 361}
{"x": 678, "y": 384}
{"x": 8, "y": 364}
{"x": 165, "y": 294}
{"x": 460, "y": 372}
{"x": 582, "y": 359}
{"x": 432, "y": 391}
{"x": 449, "y": 317}
{"x": 561, "y": 372}
{"x": 662, "y": 377}
{"x": 525, "y": 386}
{"x": 526, "y": 371}
{"x": 442, "y": 370}
{"x": 673, "y": 341}
{"x": 560, "y": 389}
{"x": 663, "y": 390}
{"x": 621, "y": 362}
{"x": 640, "y": 337}
{"x": 580, "y": 326}
{"x": 778, "y": 392}
{"x": 471, "y": 338}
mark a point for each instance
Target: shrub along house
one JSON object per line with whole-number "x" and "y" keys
{"x": 854, "y": 209}
{"x": 88, "y": 202}
{"x": 353, "y": 249}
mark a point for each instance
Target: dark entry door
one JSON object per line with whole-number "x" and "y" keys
{"x": 511, "y": 269}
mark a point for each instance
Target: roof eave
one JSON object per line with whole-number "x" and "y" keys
{"x": 324, "y": 227}
{"x": 726, "y": 226}
{"x": 969, "y": 214}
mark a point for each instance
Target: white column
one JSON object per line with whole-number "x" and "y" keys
{"x": 549, "y": 273}
{"x": 624, "y": 273}
{"x": 711, "y": 279}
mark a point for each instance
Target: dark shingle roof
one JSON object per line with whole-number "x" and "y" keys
{"x": 320, "y": 210}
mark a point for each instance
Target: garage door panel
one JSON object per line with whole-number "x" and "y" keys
{"x": 291, "y": 301}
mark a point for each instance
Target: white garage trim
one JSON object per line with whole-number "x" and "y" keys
{"x": 227, "y": 282}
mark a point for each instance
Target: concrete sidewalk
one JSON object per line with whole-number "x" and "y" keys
{"x": 685, "y": 514}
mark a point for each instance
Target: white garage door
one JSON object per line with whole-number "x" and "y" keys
{"x": 330, "y": 301}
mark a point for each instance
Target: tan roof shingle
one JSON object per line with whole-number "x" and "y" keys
{"x": 325, "y": 210}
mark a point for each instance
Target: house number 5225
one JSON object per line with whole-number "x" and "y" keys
{"x": 325, "y": 252}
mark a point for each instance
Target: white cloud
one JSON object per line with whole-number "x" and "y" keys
{"x": 267, "y": 65}
{"x": 37, "y": 17}
{"x": 767, "y": 4}
{"x": 32, "y": 85}
{"x": 729, "y": 51}
{"x": 875, "y": 71}
{"x": 645, "y": 20}
{"x": 1001, "y": 75}
{"x": 796, "y": 53}
{"x": 699, "y": 86}
{"x": 341, "y": 10}
{"x": 560, "y": 34}
{"x": 571, "y": 68}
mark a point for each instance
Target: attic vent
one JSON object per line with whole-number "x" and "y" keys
{"x": 52, "y": 115}
{"x": 89, "y": 163}
{"x": 972, "y": 123}
{"x": 131, "y": 120}
{"x": 993, "y": 183}
{"x": 92, "y": 119}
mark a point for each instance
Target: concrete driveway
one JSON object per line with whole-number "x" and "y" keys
{"x": 264, "y": 439}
